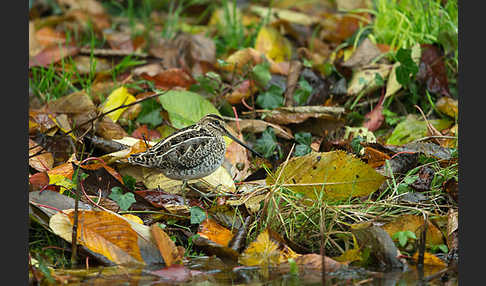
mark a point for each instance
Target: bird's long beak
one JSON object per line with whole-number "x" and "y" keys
{"x": 243, "y": 144}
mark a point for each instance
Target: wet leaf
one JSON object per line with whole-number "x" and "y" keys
{"x": 117, "y": 98}
{"x": 101, "y": 232}
{"x": 270, "y": 42}
{"x": 414, "y": 223}
{"x": 213, "y": 231}
{"x": 268, "y": 249}
{"x": 171, "y": 253}
{"x": 430, "y": 259}
{"x": 412, "y": 129}
{"x": 186, "y": 108}
{"x": 339, "y": 175}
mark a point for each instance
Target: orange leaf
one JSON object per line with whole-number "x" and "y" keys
{"x": 65, "y": 169}
{"x": 101, "y": 232}
{"x": 211, "y": 230}
{"x": 169, "y": 251}
{"x": 430, "y": 259}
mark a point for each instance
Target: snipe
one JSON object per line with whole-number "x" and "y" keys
{"x": 190, "y": 153}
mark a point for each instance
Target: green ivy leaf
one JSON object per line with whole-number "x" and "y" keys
{"x": 150, "y": 113}
{"x": 198, "y": 215}
{"x": 123, "y": 200}
{"x": 303, "y": 138}
{"x": 129, "y": 181}
{"x": 301, "y": 150}
{"x": 407, "y": 69}
{"x": 272, "y": 98}
{"x": 267, "y": 144}
{"x": 303, "y": 92}
{"x": 261, "y": 73}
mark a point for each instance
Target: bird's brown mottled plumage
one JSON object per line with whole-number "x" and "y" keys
{"x": 192, "y": 152}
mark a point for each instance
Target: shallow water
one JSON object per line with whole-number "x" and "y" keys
{"x": 211, "y": 271}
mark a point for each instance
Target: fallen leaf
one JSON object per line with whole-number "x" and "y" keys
{"x": 414, "y": 223}
{"x": 258, "y": 126}
{"x": 375, "y": 117}
{"x": 213, "y": 231}
{"x": 174, "y": 77}
{"x": 412, "y": 129}
{"x": 364, "y": 79}
{"x": 363, "y": 55}
{"x": 430, "y": 259}
{"x": 285, "y": 14}
{"x": 432, "y": 70}
{"x": 268, "y": 249}
{"x": 47, "y": 36}
{"x": 185, "y": 107}
{"x": 117, "y": 98}
{"x": 171, "y": 253}
{"x": 101, "y": 232}
{"x": 52, "y": 54}
{"x": 339, "y": 175}
{"x": 42, "y": 162}
{"x": 448, "y": 106}
{"x": 271, "y": 43}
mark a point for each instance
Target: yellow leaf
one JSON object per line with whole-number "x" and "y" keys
{"x": 267, "y": 249}
{"x": 133, "y": 218}
{"x": 118, "y": 97}
{"x": 430, "y": 259}
{"x": 101, "y": 232}
{"x": 270, "y": 42}
{"x": 61, "y": 180}
{"x": 338, "y": 174}
{"x": 414, "y": 223}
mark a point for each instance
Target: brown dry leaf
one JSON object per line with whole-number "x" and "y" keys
{"x": 414, "y": 223}
{"x": 74, "y": 103}
{"x": 258, "y": 126}
{"x": 299, "y": 114}
{"x": 38, "y": 180}
{"x": 90, "y": 6}
{"x": 66, "y": 170}
{"x": 242, "y": 91}
{"x": 276, "y": 47}
{"x": 338, "y": 174}
{"x": 338, "y": 27}
{"x": 101, "y": 232}
{"x": 363, "y": 55}
{"x": 83, "y": 65}
{"x": 47, "y": 36}
{"x": 171, "y": 253}
{"x": 97, "y": 165}
{"x": 40, "y": 120}
{"x": 52, "y": 54}
{"x": 237, "y": 156}
{"x": 268, "y": 249}
{"x": 108, "y": 129}
{"x": 213, "y": 231}
{"x": 375, "y": 158}
{"x": 174, "y": 77}
{"x": 42, "y": 162}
